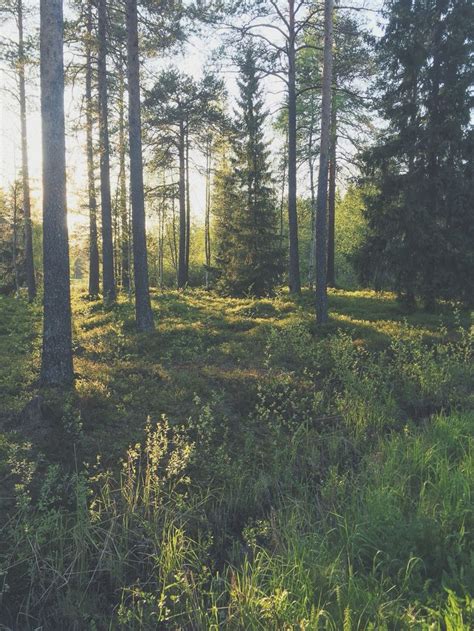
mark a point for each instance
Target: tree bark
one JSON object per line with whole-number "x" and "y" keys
{"x": 311, "y": 263}
{"x": 161, "y": 232}
{"x": 29, "y": 259}
{"x": 125, "y": 228}
{"x": 116, "y": 230}
{"x": 56, "y": 363}
{"x": 182, "y": 208}
{"x": 172, "y": 238}
{"x": 284, "y": 170}
{"x": 143, "y": 312}
{"x": 15, "y": 238}
{"x": 108, "y": 277}
{"x": 294, "y": 263}
{"x": 429, "y": 292}
{"x": 188, "y": 208}
{"x": 207, "y": 220}
{"x": 321, "y": 206}
{"x": 331, "y": 269}
{"x": 93, "y": 245}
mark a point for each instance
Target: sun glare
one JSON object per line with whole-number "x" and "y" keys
{"x": 76, "y": 221}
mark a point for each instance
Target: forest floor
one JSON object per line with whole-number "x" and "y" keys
{"x": 319, "y": 478}
{"x": 203, "y": 344}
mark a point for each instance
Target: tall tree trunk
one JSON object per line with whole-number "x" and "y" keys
{"x": 188, "y": 207}
{"x": 16, "y": 273}
{"x": 331, "y": 270}
{"x": 130, "y": 252}
{"x": 116, "y": 232}
{"x": 321, "y": 206}
{"x": 172, "y": 238}
{"x": 108, "y": 277}
{"x": 311, "y": 263}
{"x": 429, "y": 292}
{"x": 125, "y": 229}
{"x": 312, "y": 249}
{"x": 294, "y": 262}
{"x": 29, "y": 259}
{"x": 162, "y": 247}
{"x": 56, "y": 363}
{"x": 143, "y": 312}
{"x": 207, "y": 220}
{"x": 161, "y": 232}
{"x": 182, "y": 208}
{"x": 284, "y": 170}
{"x": 93, "y": 245}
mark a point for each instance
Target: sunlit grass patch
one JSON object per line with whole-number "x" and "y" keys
{"x": 20, "y": 343}
{"x": 379, "y": 332}
{"x": 319, "y": 477}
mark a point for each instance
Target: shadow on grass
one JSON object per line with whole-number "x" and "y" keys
{"x": 203, "y": 344}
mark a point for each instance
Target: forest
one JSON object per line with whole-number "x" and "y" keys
{"x": 236, "y": 315}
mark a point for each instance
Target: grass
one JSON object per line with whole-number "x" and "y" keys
{"x": 240, "y": 468}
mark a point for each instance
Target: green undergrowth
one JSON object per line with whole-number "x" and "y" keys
{"x": 241, "y": 469}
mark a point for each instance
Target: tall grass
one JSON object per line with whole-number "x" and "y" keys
{"x": 342, "y": 501}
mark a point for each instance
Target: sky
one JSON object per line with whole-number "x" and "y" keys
{"x": 192, "y": 60}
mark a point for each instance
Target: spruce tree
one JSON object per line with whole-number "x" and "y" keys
{"x": 224, "y": 207}
{"x": 420, "y": 206}
{"x": 254, "y": 258}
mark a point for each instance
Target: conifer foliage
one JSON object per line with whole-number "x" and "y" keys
{"x": 420, "y": 171}
{"x": 249, "y": 254}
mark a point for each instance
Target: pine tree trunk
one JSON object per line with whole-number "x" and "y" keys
{"x": 161, "y": 233}
{"x": 188, "y": 208}
{"x": 321, "y": 206}
{"x": 93, "y": 245}
{"x": 125, "y": 229}
{"x": 172, "y": 239}
{"x": 56, "y": 363}
{"x": 15, "y": 239}
{"x": 116, "y": 233}
{"x": 207, "y": 221}
{"x": 429, "y": 293}
{"x": 311, "y": 263}
{"x": 130, "y": 252}
{"x": 182, "y": 209}
{"x": 143, "y": 312}
{"x": 108, "y": 277}
{"x": 294, "y": 263}
{"x": 29, "y": 259}
{"x": 284, "y": 170}
{"x": 331, "y": 273}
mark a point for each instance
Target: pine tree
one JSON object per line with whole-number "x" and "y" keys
{"x": 350, "y": 121}
{"x": 56, "y": 361}
{"x": 108, "y": 276}
{"x": 90, "y": 107}
{"x": 18, "y": 54}
{"x": 181, "y": 109}
{"x": 254, "y": 259}
{"x": 321, "y": 203}
{"x": 143, "y": 311}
